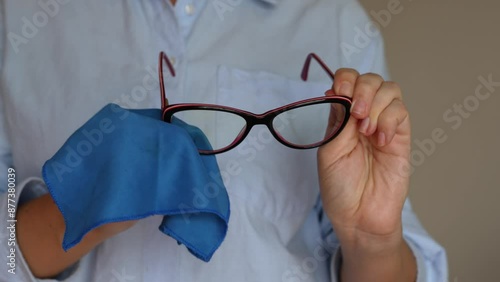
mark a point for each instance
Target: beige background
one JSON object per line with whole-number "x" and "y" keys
{"x": 437, "y": 50}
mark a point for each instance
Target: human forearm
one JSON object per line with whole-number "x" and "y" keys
{"x": 40, "y": 231}
{"x": 371, "y": 260}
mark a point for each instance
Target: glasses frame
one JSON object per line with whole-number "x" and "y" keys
{"x": 252, "y": 119}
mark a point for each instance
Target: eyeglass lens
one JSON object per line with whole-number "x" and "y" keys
{"x": 305, "y": 126}
{"x": 309, "y": 125}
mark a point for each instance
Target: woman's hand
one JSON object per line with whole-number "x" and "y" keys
{"x": 364, "y": 176}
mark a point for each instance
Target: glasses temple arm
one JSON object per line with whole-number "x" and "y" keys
{"x": 163, "y": 57}
{"x": 307, "y": 63}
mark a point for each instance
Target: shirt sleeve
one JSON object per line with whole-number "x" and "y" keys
{"x": 5, "y": 153}
{"x": 431, "y": 259}
{"x": 15, "y": 268}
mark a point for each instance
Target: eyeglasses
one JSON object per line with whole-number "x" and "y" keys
{"x": 304, "y": 124}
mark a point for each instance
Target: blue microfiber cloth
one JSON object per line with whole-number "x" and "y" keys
{"x": 129, "y": 164}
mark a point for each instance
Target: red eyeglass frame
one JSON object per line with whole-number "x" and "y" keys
{"x": 251, "y": 118}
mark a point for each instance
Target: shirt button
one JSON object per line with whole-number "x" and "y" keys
{"x": 189, "y": 9}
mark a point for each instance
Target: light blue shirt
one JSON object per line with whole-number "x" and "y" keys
{"x": 62, "y": 60}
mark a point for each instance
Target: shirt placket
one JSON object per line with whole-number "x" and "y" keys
{"x": 187, "y": 12}
{"x": 173, "y": 24}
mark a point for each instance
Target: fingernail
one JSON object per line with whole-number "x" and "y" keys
{"x": 345, "y": 89}
{"x": 381, "y": 139}
{"x": 359, "y": 107}
{"x": 364, "y": 125}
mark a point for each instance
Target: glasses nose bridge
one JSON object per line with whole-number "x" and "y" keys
{"x": 258, "y": 119}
